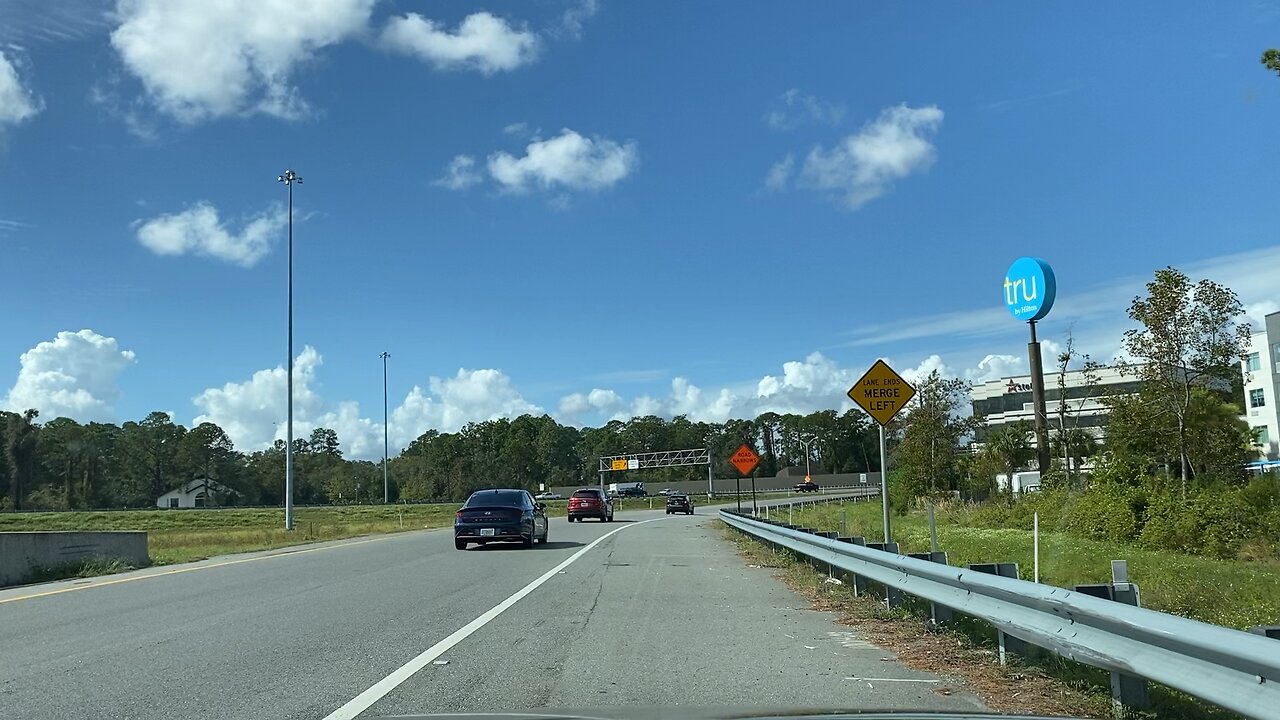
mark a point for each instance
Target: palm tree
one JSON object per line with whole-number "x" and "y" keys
{"x": 1010, "y": 445}
{"x": 20, "y": 446}
{"x": 1074, "y": 444}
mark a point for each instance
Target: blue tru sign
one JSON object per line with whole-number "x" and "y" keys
{"x": 1029, "y": 289}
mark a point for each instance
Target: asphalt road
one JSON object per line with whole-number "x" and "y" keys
{"x": 651, "y": 611}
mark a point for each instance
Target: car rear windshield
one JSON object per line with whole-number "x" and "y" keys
{"x": 496, "y": 498}
{"x": 587, "y": 493}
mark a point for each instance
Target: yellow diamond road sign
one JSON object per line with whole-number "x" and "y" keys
{"x": 881, "y": 392}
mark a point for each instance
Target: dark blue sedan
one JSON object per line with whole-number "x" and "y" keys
{"x": 500, "y": 516}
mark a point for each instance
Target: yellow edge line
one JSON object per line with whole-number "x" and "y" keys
{"x": 176, "y": 571}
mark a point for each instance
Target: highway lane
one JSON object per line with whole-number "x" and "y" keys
{"x": 666, "y": 615}
{"x": 663, "y": 609}
{"x": 287, "y": 635}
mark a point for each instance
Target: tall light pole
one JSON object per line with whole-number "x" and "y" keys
{"x": 806, "y": 441}
{"x": 386, "y": 493}
{"x": 289, "y": 178}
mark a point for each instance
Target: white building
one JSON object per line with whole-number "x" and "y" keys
{"x": 1008, "y": 400}
{"x": 195, "y": 493}
{"x": 1262, "y": 386}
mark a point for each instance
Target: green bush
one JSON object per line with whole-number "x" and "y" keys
{"x": 1113, "y": 470}
{"x": 1006, "y": 512}
{"x": 1212, "y": 522}
{"x": 47, "y": 497}
{"x": 1105, "y": 511}
{"x": 1263, "y": 494}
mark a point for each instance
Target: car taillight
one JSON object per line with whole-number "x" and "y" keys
{"x": 457, "y": 515}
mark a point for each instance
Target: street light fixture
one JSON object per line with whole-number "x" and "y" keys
{"x": 806, "y": 441}
{"x": 386, "y": 494}
{"x": 289, "y": 178}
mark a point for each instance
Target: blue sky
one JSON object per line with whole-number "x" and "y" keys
{"x": 600, "y": 208}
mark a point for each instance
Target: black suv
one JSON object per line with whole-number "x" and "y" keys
{"x": 679, "y": 502}
{"x": 807, "y": 487}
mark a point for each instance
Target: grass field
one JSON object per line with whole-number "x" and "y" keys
{"x": 1232, "y": 593}
{"x": 183, "y": 535}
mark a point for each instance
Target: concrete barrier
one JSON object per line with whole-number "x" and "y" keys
{"x": 23, "y": 554}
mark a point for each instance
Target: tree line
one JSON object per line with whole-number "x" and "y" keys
{"x": 1181, "y": 430}
{"x": 62, "y": 464}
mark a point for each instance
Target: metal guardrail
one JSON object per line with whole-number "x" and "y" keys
{"x": 1236, "y": 670}
{"x": 838, "y": 494}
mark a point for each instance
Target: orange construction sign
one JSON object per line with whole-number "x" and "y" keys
{"x": 745, "y": 459}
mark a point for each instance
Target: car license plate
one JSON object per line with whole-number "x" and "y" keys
{"x": 487, "y": 532}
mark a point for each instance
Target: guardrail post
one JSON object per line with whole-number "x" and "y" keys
{"x": 1008, "y": 643}
{"x": 938, "y": 613}
{"x": 1271, "y": 631}
{"x": 859, "y": 582}
{"x": 829, "y": 536}
{"x": 892, "y": 595}
{"x": 1128, "y": 692}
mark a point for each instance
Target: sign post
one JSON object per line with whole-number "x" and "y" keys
{"x": 1029, "y": 290}
{"x": 882, "y": 393}
{"x": 745, "y": 460}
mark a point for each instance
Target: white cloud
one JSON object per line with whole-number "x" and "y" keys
{"x": 780, "y": 173}
{"x": 993, "y": 367}
{"x": 253, "y": 412}
{"x": 17, "y": 103}
{"x": 459, "y": 174}
{"x": 74, "y": 375}
{"x": 572, "y": 20}
{"x": 804, "y": 386}
{"x": 482, "y": 42}
{"x": 198, "y": 231}
{"x": 468, "y": 396}
{"x": 864, "y": 166}
{"x": 572, "y": 407}
{"x": 518, "y": 128}
{"x": 917, "y": 374}
{"x": 206, "y": 60}
{"x": 794, "y": 108}
{"x": 1257, "y": 312}
{"x": 568, "y": 160}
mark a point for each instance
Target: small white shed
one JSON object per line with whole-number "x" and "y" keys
{"x": 196, "y": 493}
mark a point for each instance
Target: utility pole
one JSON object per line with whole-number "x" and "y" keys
{"x": 386, "y": 492}
{"x": 289, "y": 178}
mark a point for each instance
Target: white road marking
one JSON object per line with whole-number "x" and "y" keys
{"x": 366, "y": 699}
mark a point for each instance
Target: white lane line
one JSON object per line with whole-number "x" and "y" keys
{"x": 366, "y": 699}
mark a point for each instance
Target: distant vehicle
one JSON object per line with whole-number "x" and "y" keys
{"x": 632, "y": 489}
{"x": 590, "y": 502}
{"x": 1023, "y": 482}
{"x": 679, "y": 502}
{"x": 807, "y": 487}
{"x": 667, "y": 491}
{"x": 548, "y": 496}
{"x": 500, "y": 515}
